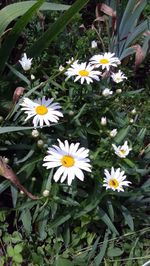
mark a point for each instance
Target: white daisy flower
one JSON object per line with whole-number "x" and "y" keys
{"x": 106, "y": 92}
{"x": 122, "y": 151}
{"x": 105, "y": 61}
{"x": 25, "y": 62}
{"x": 115, "y": 180}
{"x": 70, "y": 160}
{"x": 118, "y": 77}
{"x": 43, "y": 111}
{"x": 83, "y": 71}
{"x": 113, "y": 133}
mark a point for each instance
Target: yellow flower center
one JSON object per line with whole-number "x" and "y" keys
{"x": 84, "y": 73}
{"x": 41, "y": 110}
{"x": 104, "y": 61}
{"x": 123, "y": 152}
{"x": 113, "y": 183}
{"x": 67, "y": 161}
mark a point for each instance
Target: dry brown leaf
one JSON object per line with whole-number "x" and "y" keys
{"x": 139, "y": 55}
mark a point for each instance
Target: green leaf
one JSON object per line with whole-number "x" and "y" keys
{"x": 128, "y": 218}
{"x": 12, "y": 37}
{"x": 43, "y": 219}
{"x": 60, "y": 220}
{"x": 56, "y": 28}
{"x": 94, "y": 247}
{"x": 18, "y": 258}
{"x": 105, "y": 218}
{"x": 10, "y": 251}
{"x": 19, "y": 75}
{"x": 26, "y": 220}
{"x": 4, "y": 185}
{"x": 14, "y": 194}
{"x": 18, "y": 248}
{"x": 98, "y": 259}
{"x": 4, "y": 130}
{"x": 114, "y": 252}
{"x": 63, "y": 262}
{"x": 13, "y": 11}
{"x": 121, "y": 135}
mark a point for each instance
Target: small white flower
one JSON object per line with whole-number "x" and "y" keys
{"x": 25, "y": 62}
{"x": 93, "y": 44}
{"x": 119, "y": 91}
{"x": 43, "y": 111}
{"x": 106, "y": 92}
{"x": 118, "y": 77}
{"x": 105, "y": 61}
{"x": 113, "y": 133}
{"x": 83, "y": 71}
{"x": 103, "y": 121}
{"x": 115, "y": 180}
{"x": 61, "y": 68}
{"x": 70, "y": 159}
{"x": 122, "y": 151}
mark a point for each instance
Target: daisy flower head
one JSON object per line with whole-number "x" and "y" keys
{"x": 122, "y": 151}
{"x": 70, "y": 159}
{"x": 118, "y": 77}
{"x": 25, "y": 62}
{"x": 115, "y": 180}
{"x": 105, "y": 61}
{"x": 83, "y": 71}
{"x": 43, "y": 110}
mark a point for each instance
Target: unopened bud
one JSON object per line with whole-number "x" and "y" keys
{"x": 119, "y": 91}
{"x": 40, "y": 143}
{"x": 103, "y": 121}
{"x": 46, "y": 193}
{"x": 35, "y": 133}
{"x": 71, "y": 113}
{"x": 131, "y": 121}
{"x": 32, "y": 77}
{"x": 133, "y": 111}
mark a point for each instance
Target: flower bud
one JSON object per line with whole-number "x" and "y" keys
{"x": 46, "y": 193}
{"x": 113, "y": 133}
{"x": 32, "y": 77}
{"x": 71, "y": 113}
{"x": 103, "y": 121}
{"x": 93, "y": 44}
{"x": 35, "y": 133}
{"x": 131, "y": 121}
{"x": 119, "y": 91}
{"x": 133, "y": 111}
{"x": 40, "y": 143}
